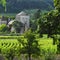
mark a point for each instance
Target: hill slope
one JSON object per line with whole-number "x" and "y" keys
{"x": 18, "y": 5}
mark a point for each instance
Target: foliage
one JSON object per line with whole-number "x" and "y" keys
{"x": 48, "y": 50}
{"x": 17, "y": 25}
{"x": 3, "y": 28}
{"x": 33, "y": 22}
{"x": 3, "y": 2}
{"x": 33, "y": 25}
{"x": 50, "y": 23}
{"x": 16, "y": 47}
{"x": 50, "y": 55}
{"x": 46, "y": 44}
{"x": 11, "y": 46}
{"x": 57, "y": 4}
{"x": 37, "y": 14}
{"x": 30, "y": 45}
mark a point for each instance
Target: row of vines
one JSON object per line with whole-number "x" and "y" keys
{"x": 10, "y": 46}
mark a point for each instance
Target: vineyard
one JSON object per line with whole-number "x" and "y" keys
{"x": 10, "y": 46}
{"x": 9, "y": 43}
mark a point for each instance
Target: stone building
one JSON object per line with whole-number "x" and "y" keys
{"x": 24, "y": 18}
{"x": 4, "y": 20}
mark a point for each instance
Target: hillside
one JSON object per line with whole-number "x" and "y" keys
{"x": 18, "y": 5}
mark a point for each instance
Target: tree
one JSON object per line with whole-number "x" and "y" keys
{"x": 17, "y": 25}
{"x": 33, "y": 25}
{"x": 37, "y": 14}
{"x": 49, "y": 23}
{"x": 10, "y": 54}
{"x": 33, "y": 22}
{"x": 42, "y": 25}
{"x": 30, "y": 45}
{"x": 57, "y": 4}
{"x": 3, "y": 2}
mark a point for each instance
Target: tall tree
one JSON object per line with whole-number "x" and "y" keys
{"x": 37, "y": 14}
{"x": 49, "y": 23}
{"x": 30, "y": 45}
{"x": 33, "y": 23}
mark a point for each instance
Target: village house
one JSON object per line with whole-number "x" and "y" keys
{"x": 24, "y": 18}
{"x": 4, "y": 20}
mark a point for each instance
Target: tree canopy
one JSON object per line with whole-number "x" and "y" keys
{"x": 57, "y": 4}
{"x": 3, "y": 2}
{"x": 30, "y": 45}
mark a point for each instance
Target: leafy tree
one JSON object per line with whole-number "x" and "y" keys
{"x": 41, "y": 25}
{"x": 30, "y": 45}
{"x": 17, "y": 25}
{"x": 57, "y": 4}
{"x": 12, "y": 52}
{"x": 50, "y": 24}
{"x": 33, "y": 22}
{"x": 37, "y": 14}
{"x": 33, "y": 25}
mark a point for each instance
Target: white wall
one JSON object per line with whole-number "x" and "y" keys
{"x": 25, "y": 20}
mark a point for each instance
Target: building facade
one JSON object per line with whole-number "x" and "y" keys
{"x": 24, "y": 18}
{"x": 4, "y": 20}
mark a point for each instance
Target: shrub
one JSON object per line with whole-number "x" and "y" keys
{"x": 3, "y": 28}
{"x": 49, "y": 52}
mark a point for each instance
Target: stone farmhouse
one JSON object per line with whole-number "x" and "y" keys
{"x": 4, "y": 20}
{"x": 24, "y": 18}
